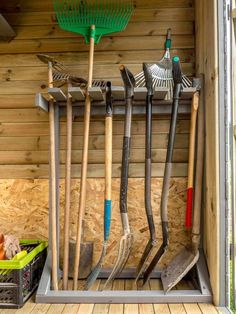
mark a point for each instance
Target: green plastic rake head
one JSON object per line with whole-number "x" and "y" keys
{"x": 108, "y": 16}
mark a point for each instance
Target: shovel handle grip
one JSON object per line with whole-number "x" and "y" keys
{"x": 107, "y": 219}
{"x": 188, "y": 219}
{"x": 108, "y": 175}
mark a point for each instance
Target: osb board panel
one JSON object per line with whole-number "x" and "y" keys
{"x": 24, "y": 210}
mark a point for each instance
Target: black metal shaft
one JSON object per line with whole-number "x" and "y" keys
{"x": 148, "y": 165}
{"x": 125, "y": 157}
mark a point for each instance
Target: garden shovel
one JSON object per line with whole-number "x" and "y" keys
{"x": 187, "y": 258}
{"x": 177, "y": 77}
{"x": 108, "y": 181}
{"x": 127, "y": 238}
{"x": 189, "y": 204}
{"x": 148, "y": 164}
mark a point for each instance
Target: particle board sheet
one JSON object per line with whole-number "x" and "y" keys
{"x": 24, "y": 210}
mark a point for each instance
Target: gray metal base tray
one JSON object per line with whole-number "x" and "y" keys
{"x": 200, "y": 295}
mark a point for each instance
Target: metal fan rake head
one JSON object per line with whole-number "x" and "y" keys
{"x": 162, "y": 72}
{"x": 61, "y": 76}
{"x": 123, "y": 255}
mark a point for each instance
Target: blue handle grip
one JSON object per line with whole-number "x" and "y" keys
{"x": 107, "y": 219}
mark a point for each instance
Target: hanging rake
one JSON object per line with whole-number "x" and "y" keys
{"x": 177, "y": 74}
{"x": 92, "y": 19}
{"x": 61, "y": 75}
{"x": 162, "y": 73}
{"x": 127, "y": 238}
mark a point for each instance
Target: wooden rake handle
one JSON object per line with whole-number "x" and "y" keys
{"x": 53, "y": 184}
{"x": 84, "y": 165}
{"x": 189, "y": 205}
{"x": 69, "y": 118}
{"x": 108, "y": 162}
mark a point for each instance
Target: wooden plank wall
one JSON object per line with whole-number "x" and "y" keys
{"x": 207, "y": 63}
{"x": 24, "y": 129}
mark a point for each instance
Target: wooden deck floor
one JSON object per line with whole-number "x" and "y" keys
{"x": 31, "y": 307}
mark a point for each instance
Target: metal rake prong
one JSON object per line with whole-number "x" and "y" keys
{"x": 123, "y": 254}
{"x": 128, "y": 249}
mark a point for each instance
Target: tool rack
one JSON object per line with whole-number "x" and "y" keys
{"x": 161, "y": 106}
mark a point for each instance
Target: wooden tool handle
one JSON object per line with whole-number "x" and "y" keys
{"x": 67, "y": 190}
{"x": 108, "y": 176}
{"x": 53, "y": 185}
{"x": 194, "y": 109}
{"x": 198, "y": 178}
{"x": 108, "y": 157}
{"x": 84, "y": 163}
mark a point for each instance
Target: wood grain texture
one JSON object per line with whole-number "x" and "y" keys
{"x": 94, "y": 171}
{"x": 103, "y": 71}
{"x": 107, "y": 43}
{"x": 207, "y": 63}
{"x": 35, "y": 122}
{"x": 27, "y": 5}
{"x": 101, "y": 57}
{"x": 95, "y": 156}
{"x": 27, "y": 202}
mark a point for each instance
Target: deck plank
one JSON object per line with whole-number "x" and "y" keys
{"x": 161, "y": 308}
{"x": 192, "y": 308}
{"x": 207, "y": 308}
{"x": 146, "y": 308}
{"x": 56, "y": 308}
{"x": 130, "y": 308}
{"x": 101, "y": 308}
{"x": 88, "y": 308}
{"x": 40, "y": 308}
{"x": 177, "y": 308}
{"x": 71, "y": 308}
{"x": 119, "y": 284}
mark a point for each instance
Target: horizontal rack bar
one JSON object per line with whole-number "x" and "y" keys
{"x": 161, "y": 105}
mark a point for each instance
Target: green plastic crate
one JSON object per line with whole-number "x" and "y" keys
{"x": 19, "y": 279}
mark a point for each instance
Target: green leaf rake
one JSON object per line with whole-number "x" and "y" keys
{"x": 92, "y": 19}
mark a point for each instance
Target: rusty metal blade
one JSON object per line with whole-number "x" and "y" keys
{"x": 152, "y": 265}
{"x": 178, "y": 268}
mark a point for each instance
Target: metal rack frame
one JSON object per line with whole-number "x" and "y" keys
{"x": 161, "y": 106}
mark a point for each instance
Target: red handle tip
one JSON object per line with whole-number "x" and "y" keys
{"x": 188, "y": 218}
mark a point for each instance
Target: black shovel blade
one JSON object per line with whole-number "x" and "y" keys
{"x": 155, "y": 260}
{"x": 146, "y": 254}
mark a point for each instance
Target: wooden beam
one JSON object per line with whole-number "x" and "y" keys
{"x": 94, "y": 171}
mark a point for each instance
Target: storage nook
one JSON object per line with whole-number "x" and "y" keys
{"x": 25, "y": 99}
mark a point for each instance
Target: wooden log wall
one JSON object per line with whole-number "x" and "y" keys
{"x": 24, "y": 129}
